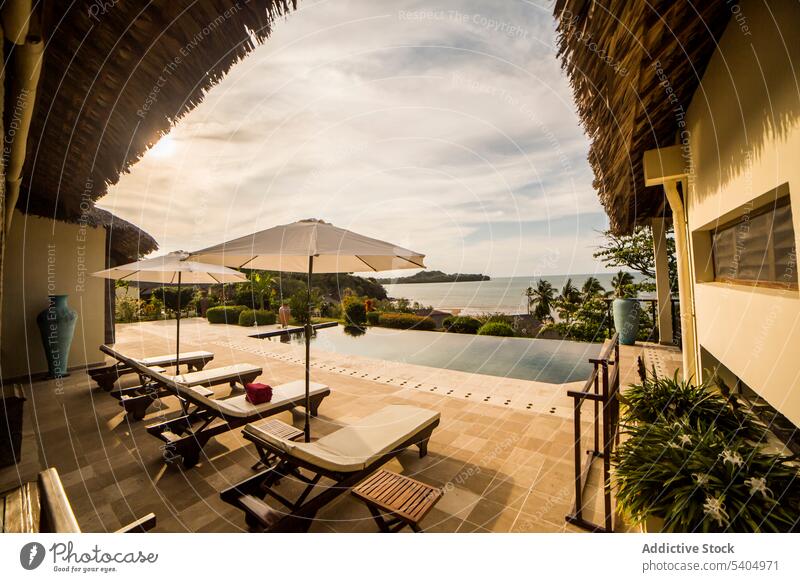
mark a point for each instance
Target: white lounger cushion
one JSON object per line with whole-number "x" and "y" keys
{"x": 214, "y": 376}
{"x": 281, "y": 394}
{"x": 167, "y": 360}
{"x": 353, "y": 447}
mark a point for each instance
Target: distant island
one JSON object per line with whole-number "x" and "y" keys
{"x": 435, "y": 277}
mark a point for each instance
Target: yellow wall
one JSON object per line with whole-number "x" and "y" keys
{"x": 744, "y": 131}
{"x": 45, "y": 257}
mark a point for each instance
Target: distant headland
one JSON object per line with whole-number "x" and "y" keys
{"x": 435, "y": 277}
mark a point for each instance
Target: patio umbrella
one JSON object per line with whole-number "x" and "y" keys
{"x": 172, "y": 269}
{"x": 310, "y": 246}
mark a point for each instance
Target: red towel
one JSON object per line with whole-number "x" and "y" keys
{"x": 258, "y": 393}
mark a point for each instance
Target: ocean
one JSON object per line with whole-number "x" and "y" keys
{"x": 500, "y": 295}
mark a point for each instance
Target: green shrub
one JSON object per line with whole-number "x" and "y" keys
{"x": 497, "y": 328}
{"x": 169, "y": 296}
{"x": 248, "y": 317}
{"x": 406, "y": 321}
{"x": 373, "y": 317}
{"x": 461, "y": 324}
{"x": 355, "y": 313}
{"x": 225, "y": 314}
{"x": 666, "y": 400}
{"x": 298, "y": 303}
{"x": 704, "y": 480}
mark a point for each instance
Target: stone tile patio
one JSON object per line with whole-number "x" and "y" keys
{"x": 504, "y": 467}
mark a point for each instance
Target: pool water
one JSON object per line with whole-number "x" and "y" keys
{"x": 541, "y": 360}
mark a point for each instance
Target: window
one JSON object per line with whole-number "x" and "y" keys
{"x": 757, "y": 248}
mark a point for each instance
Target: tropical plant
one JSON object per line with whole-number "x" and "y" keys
{"x": 569, "y": 293}
{"x": 660, "y": 399}
{"x": 622, "y": 284}
{"x": 540, "y": 300}
{"x": 261, "y": 284}
{"x": 635, "y": 251}
{"x": 586, "y": 321}
{"x": 126, "y": 309}
{"x": 461, "y": 324}
{"x": 497, "y": 328}
{"x": 705, "y": 480}
{"x": 169, "y": 296}
{"x": 592, "y": 288}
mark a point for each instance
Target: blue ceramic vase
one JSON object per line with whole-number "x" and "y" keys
{"x": 57, "y": 327}
{"x": 626, "y": 320}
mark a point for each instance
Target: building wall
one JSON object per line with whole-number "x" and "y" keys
{"x": 45, "y": 257}
{"x": 744, "y": 131}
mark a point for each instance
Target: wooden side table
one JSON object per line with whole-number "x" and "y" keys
{"x": 396, "y": 501}
{"x": 276, "y": 428}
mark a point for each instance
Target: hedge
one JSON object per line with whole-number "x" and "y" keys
{"x": 461, "y": 324}
{"x": 225, "y": 314}
{"x": 406, "y": 321}
{"x": 248, "y": 317}
{"x": 496, "y": 328}
{"x": 373, "y": 317}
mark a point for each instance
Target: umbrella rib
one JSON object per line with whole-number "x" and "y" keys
{"x": 213, "y": 277}
{"x": 366, "y": 263}
{"x": 253, "y": 258}
{"x": 410, "y": 261}
{"x": 126, "y": 276}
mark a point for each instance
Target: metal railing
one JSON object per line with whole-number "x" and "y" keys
{"x": 601, "y": 388}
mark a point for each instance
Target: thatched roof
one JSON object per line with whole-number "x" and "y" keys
{"x": 609, "y": 50}
{"x": 126, "y": 241}
{"x": 116, "y": 76}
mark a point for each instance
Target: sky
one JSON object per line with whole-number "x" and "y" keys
{"x": 447, "y": 128}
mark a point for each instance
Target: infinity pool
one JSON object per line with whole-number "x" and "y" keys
{"x": 526, "y": 359}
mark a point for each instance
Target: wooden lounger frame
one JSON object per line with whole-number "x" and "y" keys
{"x": 202, "y": 418}
{"x": 249, "y": 495}
{"x": 43, "y": 507}
{"x": 106, "y": 376}
{"x": 136, "y": 400}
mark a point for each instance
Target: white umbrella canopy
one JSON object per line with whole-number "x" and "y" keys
{"x": 287, "y": 248}
{"x": 310, "y": 246}
{"x": 172, "y": 269}
{"x": 168, "y": 268}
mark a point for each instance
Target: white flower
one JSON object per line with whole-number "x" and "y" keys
{"x": 759, "y": 485}
{"x": 685, "y": 439}
{"x": 715, "y": 509}
{"x": 732, "y": 457}
{"x": 701, "y": 478}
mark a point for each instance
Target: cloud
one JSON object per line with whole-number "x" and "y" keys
{"x": 449, "y": 130}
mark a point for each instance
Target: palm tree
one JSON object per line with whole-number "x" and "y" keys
{"x": 261, "y": 285}
{"x": 621, "y": 282}
{"x": 570, "y": 293}
{"x": 591, "y": 288}
{"x": 541, "y": 299}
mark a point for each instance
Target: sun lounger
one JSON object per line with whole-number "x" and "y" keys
{"x": 203, "y": 418}
{"x": 346, "y": 457}
{"x": 107, "y": 375}
{"x": 137, "y": 401}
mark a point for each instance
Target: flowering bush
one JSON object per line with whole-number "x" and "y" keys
{"x": 700, "y": 479}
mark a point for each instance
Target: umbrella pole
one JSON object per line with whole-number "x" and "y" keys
{"x": 309, "y": 328}
{"x": 178, "y": 334}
